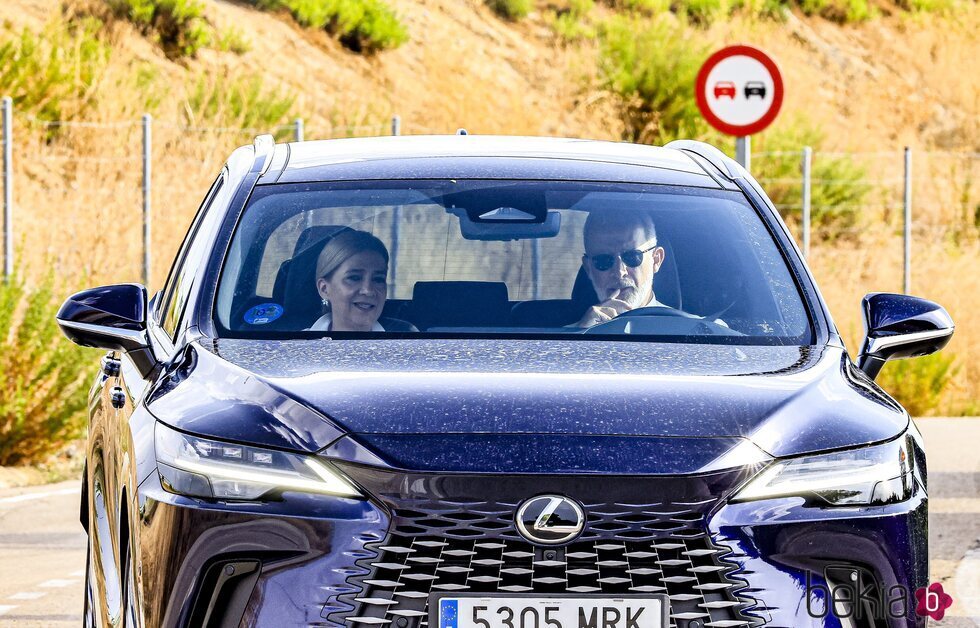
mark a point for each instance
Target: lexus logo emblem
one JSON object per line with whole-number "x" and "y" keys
{"x": 550, "y": 519}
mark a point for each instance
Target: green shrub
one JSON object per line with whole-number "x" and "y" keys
{"x": 232, "y": 101}
{"x": 650, "y": 66}
{"x": 571, "y": 23}
{"x": 233, "y": 40}
{"x": 568, "y": 28}
{"x": 812, "y": 7}
{"x": 309, "y": 13}
{"x": 511, "y": 9}
{"x": 703, "y": 12}
{"x": 760, "y": 8}
{"x": 930, "y": 6}
{"x": 837, "y": 189}
{"x": 777, "y": 9}
{"x": 44, "y": 377}
{"x": 918, "y": 383}
{"x": 54, "y": 75}
{"x": 840, "y": 11}
{"x": 847, "y": 11}
{"x": 366, "y": 26}
{"x": 647, "y": 7}
{"x": 179, "y": 25}
{"x": 859, "y": 11}
{"x": 371, "y": 27}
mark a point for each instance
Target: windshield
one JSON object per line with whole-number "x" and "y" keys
{"x": 507, "y": 258}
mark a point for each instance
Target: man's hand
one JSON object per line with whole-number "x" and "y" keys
{"x": 605, "y": 311}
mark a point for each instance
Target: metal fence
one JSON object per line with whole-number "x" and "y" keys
{"x": 122, "y": 177}
{"x": 921, "y": 196}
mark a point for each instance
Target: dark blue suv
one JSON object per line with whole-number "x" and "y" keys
{"x": 495, "y": 382}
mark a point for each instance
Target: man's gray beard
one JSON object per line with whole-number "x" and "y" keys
{"x": 631, "y": 295}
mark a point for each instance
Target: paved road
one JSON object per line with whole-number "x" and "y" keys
{"x": 42, "y": 548}
{"x": 42, "y": 556}
{"x": 954, "y": 514}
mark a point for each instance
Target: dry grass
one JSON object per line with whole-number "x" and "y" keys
{"x": 847, "y": 271}
{"x": 945, "y": 256}
{"x": 874, "y": 87}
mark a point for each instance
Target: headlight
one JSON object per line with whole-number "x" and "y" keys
{"x": 200, "y": 467}
{"x": 881, "y": 474}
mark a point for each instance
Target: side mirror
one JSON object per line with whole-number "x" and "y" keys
{"x": 110, "y": 317}
{"x": 900, "y": 326}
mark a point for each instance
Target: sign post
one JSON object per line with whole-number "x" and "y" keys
{"x": 743, "y": 151}
{"x": 739, "y": 91}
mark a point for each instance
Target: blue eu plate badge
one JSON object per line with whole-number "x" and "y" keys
{"x": 448, "y": 613}
{"x": 263, "y": 313}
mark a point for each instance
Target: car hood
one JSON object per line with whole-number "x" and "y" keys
{"x": 496, "y": 404}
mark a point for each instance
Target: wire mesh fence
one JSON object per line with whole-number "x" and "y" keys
{"x": 887, "y": 202}
{"x": 113, "y": 199}
{"x": 80, "y": 195}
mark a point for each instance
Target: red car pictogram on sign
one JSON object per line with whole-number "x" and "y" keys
{"x": 725, "y": 88}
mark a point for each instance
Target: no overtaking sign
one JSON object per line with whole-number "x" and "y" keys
{"x": 739, "y": 90}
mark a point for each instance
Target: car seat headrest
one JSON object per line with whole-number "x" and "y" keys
{"x": 459, "y": 303}
{"x": 318, "y": 235}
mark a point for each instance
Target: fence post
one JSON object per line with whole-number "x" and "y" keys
{"x": 907, "y": 275}
{"x": 807, "y": 161}
{"x": 298, "y": 130}
{"x": 147, "y": 217}
{"x": 396, "y": 124}
{"x": 8, "y": 193}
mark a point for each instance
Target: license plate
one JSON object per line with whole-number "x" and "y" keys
{"x": 560, "y": 611}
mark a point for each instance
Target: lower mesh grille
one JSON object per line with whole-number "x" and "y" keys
{"x": 449, "y": 545}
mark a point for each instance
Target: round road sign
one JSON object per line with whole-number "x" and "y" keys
{"x": 739, "y": 90}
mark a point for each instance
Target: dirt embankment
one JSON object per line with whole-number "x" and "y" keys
{"x": 903, "y": 79}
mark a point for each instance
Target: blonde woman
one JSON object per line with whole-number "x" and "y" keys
{"x": 352, "y": 280}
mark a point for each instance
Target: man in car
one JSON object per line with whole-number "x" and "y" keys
{"x": 621, "y": 259}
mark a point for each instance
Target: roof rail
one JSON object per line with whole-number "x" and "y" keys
{"x": 264, "y": 145}
{"x": 725, "y": 164}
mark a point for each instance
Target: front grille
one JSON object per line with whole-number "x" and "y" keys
{"x": 442, "y": 540}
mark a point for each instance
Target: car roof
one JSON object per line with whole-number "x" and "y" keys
{"x": 484, "y": 156}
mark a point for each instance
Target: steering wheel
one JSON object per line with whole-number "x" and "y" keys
{"x": 653, "y": 310}
{"x": 688, "y": 324}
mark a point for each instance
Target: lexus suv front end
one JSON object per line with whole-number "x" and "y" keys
{"x": 487, "y": 382}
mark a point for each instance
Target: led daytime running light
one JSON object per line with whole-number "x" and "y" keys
{"x": 332, "y": 484}
{"x": 870, "y": 475}
{"x": 203, "y": 467}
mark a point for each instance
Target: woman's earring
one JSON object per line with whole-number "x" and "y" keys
{"x": 325, "y": 302}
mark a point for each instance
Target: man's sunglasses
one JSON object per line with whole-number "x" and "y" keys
{"x": 632, "y": 259}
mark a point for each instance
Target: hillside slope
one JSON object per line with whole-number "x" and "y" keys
{"x": 904, "y": 79}
{"x": 870, "y": 89}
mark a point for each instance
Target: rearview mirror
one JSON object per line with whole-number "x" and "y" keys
{"x": 900, "y": 326}
{"x": 110, "y": 317}
{"x": 507, "y": 223}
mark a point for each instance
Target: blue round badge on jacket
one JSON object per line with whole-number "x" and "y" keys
{"x": 263, "y": 313}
